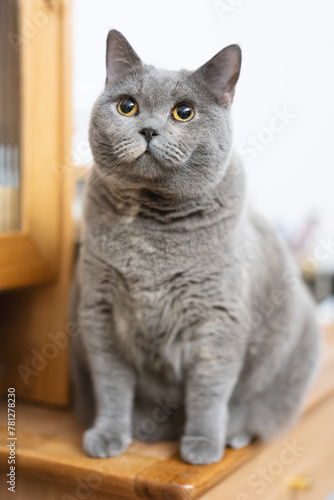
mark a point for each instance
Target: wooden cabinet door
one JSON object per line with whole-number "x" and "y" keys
{"x": 35, "y": 121}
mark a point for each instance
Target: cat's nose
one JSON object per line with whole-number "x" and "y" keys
{"x": 148, "y": 133}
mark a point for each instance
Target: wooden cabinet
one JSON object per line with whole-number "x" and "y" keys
{"x": 36, "y": 250}
{"x": 36, "y": 118}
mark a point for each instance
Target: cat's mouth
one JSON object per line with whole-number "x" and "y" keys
{"x": 147, "y": 152}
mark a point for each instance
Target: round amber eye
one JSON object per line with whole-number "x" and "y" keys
{"x": 183, "y": 112}
{"x": 127, "y": 107}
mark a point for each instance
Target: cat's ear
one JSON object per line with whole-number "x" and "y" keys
{"x": 221, "y": 73}
{"x": 121, "y": 58}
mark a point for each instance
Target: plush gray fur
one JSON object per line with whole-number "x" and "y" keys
{"x": 193, "y": 320}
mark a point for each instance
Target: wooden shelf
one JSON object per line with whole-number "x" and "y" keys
{"x": 50, "y": 457}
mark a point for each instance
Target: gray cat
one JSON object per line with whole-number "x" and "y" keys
{"x": 193, "y": 321}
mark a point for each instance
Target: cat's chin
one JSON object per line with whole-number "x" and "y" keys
{"x": 148, "y": 165}
{"x": 147, "y": 156}
{"x": 152, "y": 162}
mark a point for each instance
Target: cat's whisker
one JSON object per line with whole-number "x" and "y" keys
{"x": 102, "y": 175}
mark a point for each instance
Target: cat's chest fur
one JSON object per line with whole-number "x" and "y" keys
{"x": 160, "y": 285}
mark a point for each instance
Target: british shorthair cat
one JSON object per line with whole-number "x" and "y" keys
{"x": 193, "y": 322}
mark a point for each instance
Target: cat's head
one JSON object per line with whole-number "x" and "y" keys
{"x": 166, "y": 131}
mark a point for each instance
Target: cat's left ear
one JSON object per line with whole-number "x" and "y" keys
{"x": 121, "y": 58}
{"x": 221, "y": 73}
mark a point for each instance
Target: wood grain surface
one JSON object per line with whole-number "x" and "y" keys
{"x": 49, "y": 448}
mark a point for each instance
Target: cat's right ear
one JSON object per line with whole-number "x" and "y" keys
{"x": 121, "y": 58}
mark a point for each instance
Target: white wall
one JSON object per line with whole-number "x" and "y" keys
{"x": 287, "y": 65}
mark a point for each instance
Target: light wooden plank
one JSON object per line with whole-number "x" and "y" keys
{"x": 50, "y": 447}
{"x": 33, "y": 488}
{"x": 305, "y": 452}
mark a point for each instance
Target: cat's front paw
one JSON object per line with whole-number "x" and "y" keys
{"x": 100, "y": 443}
{"x": 201, "y": 450}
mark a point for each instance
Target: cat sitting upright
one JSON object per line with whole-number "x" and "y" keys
{"x": 192, "y": 320}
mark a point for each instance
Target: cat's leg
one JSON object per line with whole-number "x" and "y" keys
{"x": 207, "y": 390}
{"x": 277, "y": 408}
{"x": 238, "y": 435}
{"x": 83, "y": 394}
{"x": 113, "y": 382}
{"x": 113, "y": 378}
{"x": 211, "y": 377}
{"x": 240, "y": 441}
